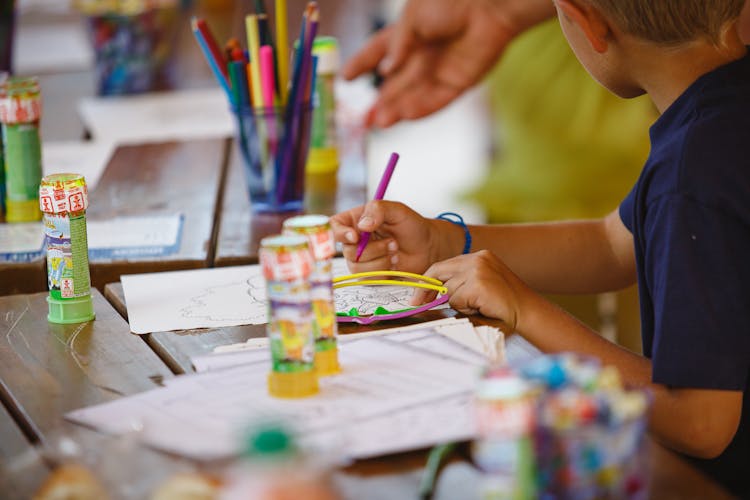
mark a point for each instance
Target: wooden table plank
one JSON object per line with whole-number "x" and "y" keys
{"x": 240, "y": 231}
{"x": 23, "y": 277}
{"x": 158, "y": 179}
{"x": 48, "y": 369}
{"x": 21, "y": 467}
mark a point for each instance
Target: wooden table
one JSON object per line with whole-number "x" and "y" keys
{"x": 204, "y": 182}
{"x": 23, "y": 277}
{"x": 47, "y": 370}
{"x": 162, "y": 179}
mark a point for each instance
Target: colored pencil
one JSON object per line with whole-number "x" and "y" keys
{"x": 253, "y": 45}
{"x": 282, "y": 49}
{"x": 364, "y": 238}
{"x": 213, "y": 46}
{"x": 215, "y": 65}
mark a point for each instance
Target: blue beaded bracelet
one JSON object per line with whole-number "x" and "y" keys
{"x": 459, "y": 221}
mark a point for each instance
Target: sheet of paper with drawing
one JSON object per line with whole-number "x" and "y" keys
{"x": 229, "y": 296}
{"x": 368, "y": 410}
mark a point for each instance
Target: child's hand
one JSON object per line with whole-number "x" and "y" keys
{"x": 400, "y": 238}
{"x": 480, "y": 283}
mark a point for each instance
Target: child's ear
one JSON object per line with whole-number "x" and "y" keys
{"x": 594, "y": 26}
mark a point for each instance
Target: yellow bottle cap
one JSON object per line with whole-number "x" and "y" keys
{"x": 293, "y": 385}
{"x": 327, "y": 362}
{"x": 322, "y": 160}
{"x": 22, "y": 211}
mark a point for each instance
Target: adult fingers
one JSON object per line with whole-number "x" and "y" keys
{"x": 368, "y": 58}
{"x": 400, "y": 42}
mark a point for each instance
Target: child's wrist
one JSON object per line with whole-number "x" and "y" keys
{"x": 456, "y": 237}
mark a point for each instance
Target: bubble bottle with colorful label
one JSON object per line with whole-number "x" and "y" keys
{"x": 505, "y": 406}
{"x": 20, "y": 112}
{"x": 63, "y": 198}
{"x": 286, "y": 262}
{"x": 317, "y": 228}
{"x": 323, "y": 156}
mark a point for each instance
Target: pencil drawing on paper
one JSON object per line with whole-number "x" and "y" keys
{"x": 242, "y": 300}
{"x": 367, "y": 298}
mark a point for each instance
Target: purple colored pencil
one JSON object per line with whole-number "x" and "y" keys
{"x": 379, "y": 193}
{"x": 289, "y": 166}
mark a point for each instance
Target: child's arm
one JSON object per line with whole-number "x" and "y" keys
{"x": 561, "y": 257}
{"x": 697, "y": 422}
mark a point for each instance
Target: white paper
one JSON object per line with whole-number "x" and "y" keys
{"x": 21, "y": 238}
{"x": 228, "y": 296}
{"x": 88, "y": 158}
{"x": 202, "y": 298}
{"x": 48, "y": 48}
{"x": 519, "y": 350}
{"x": 134, "y": 236}
{"x": 228, "y": 356}
{"x": 158, "y": 117}
{"x": 200, "y": 415}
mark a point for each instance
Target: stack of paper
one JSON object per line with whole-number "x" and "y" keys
{"x": 483, "y": 340}
{"x": 387, "y": 385}
{"x": 400, "y": 389}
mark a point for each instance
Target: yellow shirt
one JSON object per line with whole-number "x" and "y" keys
{"x": 567, "y": 147}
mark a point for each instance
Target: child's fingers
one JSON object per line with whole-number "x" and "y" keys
{"x": 372, "y": 216}
{"x": 422, "y": 296}
{"x": 344, "y": 225}
{"x": 378, "y": 255}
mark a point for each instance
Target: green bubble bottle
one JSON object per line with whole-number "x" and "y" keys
{"x": 63, "y": 198}
{"x": 20, "y": 112}
{"x": 317, "y": 229}
{"x": 286, "y": 262}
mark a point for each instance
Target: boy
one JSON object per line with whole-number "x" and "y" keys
{"x": 683, "y": 232}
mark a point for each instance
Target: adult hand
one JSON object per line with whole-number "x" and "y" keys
{"x": 400, "y": 238}
{"x": 480, "y": 283}
{"x": 438, "y": 49}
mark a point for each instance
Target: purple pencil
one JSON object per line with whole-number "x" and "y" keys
{"x": 293, "y": 135}
{"x": 379, "y": 193}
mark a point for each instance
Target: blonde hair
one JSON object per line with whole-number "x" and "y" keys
{"x": 672, "y": 22}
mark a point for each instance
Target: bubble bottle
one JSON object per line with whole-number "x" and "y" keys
{"x": 273, "y": 467}
{"x": 317, "y": 229}
{"x": 504, "y": 405}
{"x": 286, "y": 262}
{"x": 63, "y": 198}
{"x": 20, "y": 112}
{"x": 324, "y": 156}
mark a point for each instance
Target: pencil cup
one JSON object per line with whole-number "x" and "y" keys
{"x": 273, "y": 145}
{"x": 590, "y": 430}
{"x": 132, "y": 44}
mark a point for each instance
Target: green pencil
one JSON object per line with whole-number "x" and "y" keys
{"x": 435, "y": 460}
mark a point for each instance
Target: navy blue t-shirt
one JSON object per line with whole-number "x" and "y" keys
{"x": 689, "y": 214}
